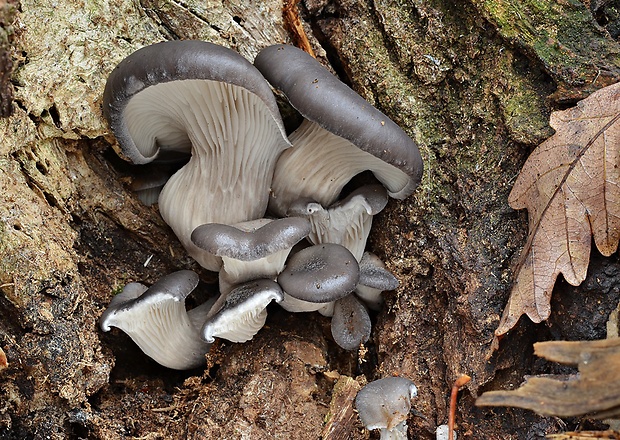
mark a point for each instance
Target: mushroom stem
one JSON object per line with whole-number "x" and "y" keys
{"x": 398, "y": 432}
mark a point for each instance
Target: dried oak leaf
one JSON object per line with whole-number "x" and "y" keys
{"x": 570, "y": 187}
{"x": 595, "y": 391}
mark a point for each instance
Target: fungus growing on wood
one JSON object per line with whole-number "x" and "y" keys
{"x": 385, "y": 404}
{"x": 250, "y": 250}
{"x": 320, "y": 274}
{"x": 374, "y": 279}
{"x": 155, "y": 318}
{"x": 198, "y": 97}
{"x": 346, "y": 222}
{"x": 342, "y": 135}
{"x": 243, "y": 313}
{"x": 351, "y": 324}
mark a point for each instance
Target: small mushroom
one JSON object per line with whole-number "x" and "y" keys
{"x": 251, "y": 250}
{"x": 196, "y": 96}
{"x": 156, "y": 320}
{"x": 320, "y": 274}
{"x": 243, "y": 313}
{"x": 342, "y": 136}
{"x": 385, "y": 404}
{"x": 346, "y": 222}
{"x": 374, "y": 279}
{"x": 351, "y": 324}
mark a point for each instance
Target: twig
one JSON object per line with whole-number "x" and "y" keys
{"x": 459, "y": 382}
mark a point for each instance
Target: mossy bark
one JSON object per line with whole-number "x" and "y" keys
{"x": 472, "y": 81}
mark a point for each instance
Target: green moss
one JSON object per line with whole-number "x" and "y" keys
{"x": 563, "y": 36}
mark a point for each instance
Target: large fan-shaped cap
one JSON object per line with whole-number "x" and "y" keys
{"x": 207, "y": 99}
{"x": 141, "y": 131}
{"x": 378, "y": 143}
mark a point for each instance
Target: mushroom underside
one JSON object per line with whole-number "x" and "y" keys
{"x": 317, "y": 157}
{"x": 156, "y": 320}
{"x": 235, "y": 143}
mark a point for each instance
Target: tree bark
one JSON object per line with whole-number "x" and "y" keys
{"x": 472, "y": 81}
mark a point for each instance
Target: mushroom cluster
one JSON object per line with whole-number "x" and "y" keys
{"x": 274, "y": 214}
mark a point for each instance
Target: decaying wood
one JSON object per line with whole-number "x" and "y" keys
{"x": 594, "y": 391}
{"x": 342, "y": 422}
{"x": 293, "y": 24}
{"x": 454, "y": 75}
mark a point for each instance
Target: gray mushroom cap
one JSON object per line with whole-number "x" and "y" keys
{"x": 253, "y": 244}
{"x": 373, "y": 273}
{"x": 156, "y": 320}
{"x": 320, "y": 274}
{"x": 243, "y": 312}
{"x": 250, "y": 250}
{"x": 385, "y": 404}
{"x": 350, "y": 324}
{"x": 375, "y": 278}
{"x": 166, "y": 62}
{"x": 327, "y": 102}
{"x": 195, "y": 96}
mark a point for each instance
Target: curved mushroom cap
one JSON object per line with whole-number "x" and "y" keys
{"x": 142, "y": 137}
{"x": 156, "y": 320}
{"x": 251, "y": 250}
{"x": 324, "y": 100}
{"x": 243, "y": 313}
{"x": 351, "y": 324}
{"x": 346, "y": 222}
{"x": 374, "y": 279}
{"x": 385, "y": 404}
{"x": 251, "y": 241}
{"x": 192, "y": 95}
{"x": 320, "y": 274}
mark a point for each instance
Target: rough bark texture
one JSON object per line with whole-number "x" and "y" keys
{"x": 472, "y": 81}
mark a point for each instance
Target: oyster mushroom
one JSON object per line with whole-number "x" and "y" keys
{"x": 385, "y": 404}
{"x": 346, "y": 222}
{"x": 350, "y": 324}
{"x": 250, "y": 250}
{"x": 198, "y": 97}
{"x": 320, "y": 274}
{"x": 374, "y": 279}
{"x": 243, "y": 312}
{"x": 156, "y": 320}
{"x": 342, "y": 135}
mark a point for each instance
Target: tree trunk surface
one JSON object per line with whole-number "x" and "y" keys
{"x": 472, "y": 81}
